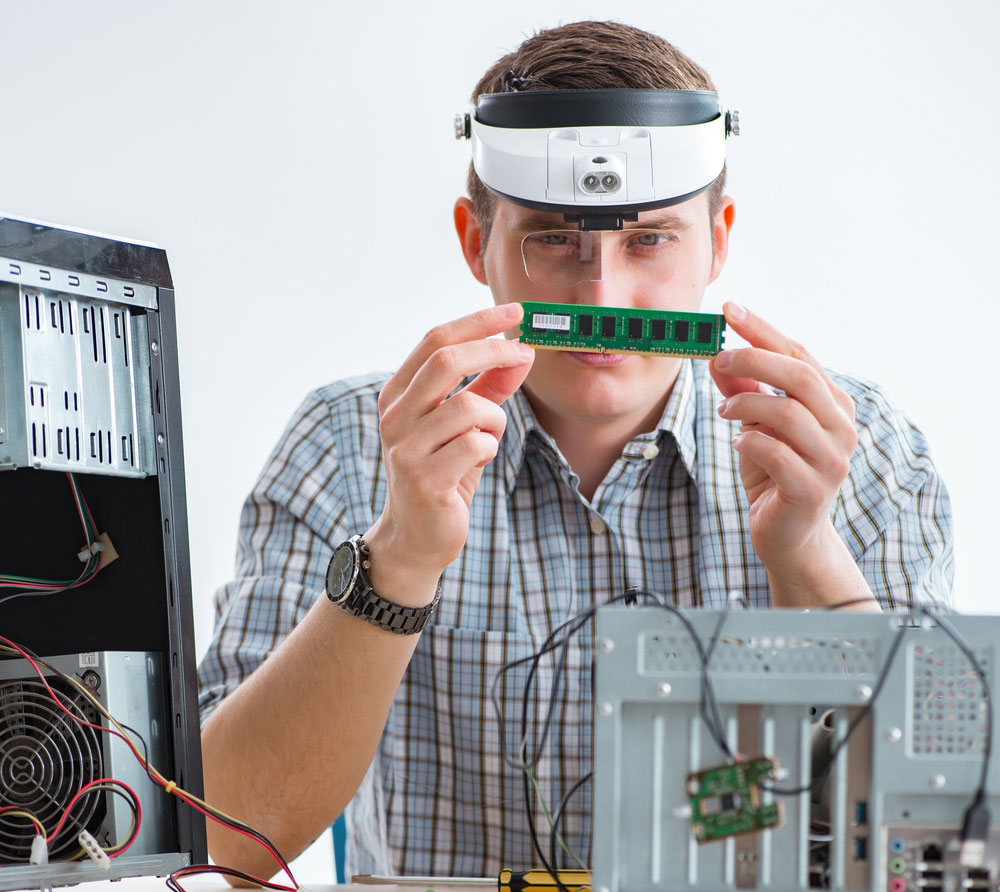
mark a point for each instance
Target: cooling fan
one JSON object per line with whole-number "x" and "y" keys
{"x": 45, "y": 758}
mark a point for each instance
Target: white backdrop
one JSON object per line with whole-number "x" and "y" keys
{"x": 297, "y": 163}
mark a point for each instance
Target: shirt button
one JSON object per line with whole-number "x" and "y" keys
{"x": 651, "y": 451}
{"x": 597, "y": 526}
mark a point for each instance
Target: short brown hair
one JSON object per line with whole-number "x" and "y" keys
{"x": 588, "y": 56}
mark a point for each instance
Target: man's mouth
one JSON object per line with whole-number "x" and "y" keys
{"x": 598, "y": 359}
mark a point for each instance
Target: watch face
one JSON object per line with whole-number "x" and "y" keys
{"x": 340, "y": 576}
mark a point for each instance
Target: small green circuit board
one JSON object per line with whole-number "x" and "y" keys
{"x": 726, "y": 801}
{"x": 622, "y": 330}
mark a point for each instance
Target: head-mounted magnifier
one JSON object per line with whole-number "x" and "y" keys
{"x": 598, "y": 157}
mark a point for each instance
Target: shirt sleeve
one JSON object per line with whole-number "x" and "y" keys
{"x": 893, "y": 511}
{"x": 288, "y": 522}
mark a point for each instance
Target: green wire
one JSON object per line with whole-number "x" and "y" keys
{"x": 92, "y": 537}
{"x": 548, "y": 817}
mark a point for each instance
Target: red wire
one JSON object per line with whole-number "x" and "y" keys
{"x": 128, "y": 742}
{"x": 93, "y": 783}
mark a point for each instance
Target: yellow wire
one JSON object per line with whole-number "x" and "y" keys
{"x": 170, "y": 786}
{"x": 23, "y": 813}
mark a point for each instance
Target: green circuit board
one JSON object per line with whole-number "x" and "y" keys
{"x": 622, "y": 330}
{"x": 726, "y": 801}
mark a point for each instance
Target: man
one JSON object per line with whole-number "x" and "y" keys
{"x": 523, "y": 488}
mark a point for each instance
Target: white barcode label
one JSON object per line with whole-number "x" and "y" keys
{"x": 89, "y": 661}
{"x": 550, "y": 322}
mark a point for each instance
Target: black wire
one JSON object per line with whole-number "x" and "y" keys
{"x": 851, "y": 728}
{"x": 963, "y": 645}
{"x": 228, "y": 822}
{"x": 198, "y": 869}
{"x": 557, "y": 816}
{"x": 568, "y": 629}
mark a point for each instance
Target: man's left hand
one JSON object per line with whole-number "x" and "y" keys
{"x": 795, "y": 450}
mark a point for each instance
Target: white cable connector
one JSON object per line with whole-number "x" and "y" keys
{"x": 94, "y": 852}
{"x": 39, "y": 850}
{"x": 86, "y": 552}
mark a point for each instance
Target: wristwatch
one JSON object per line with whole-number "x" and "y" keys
{"x": 348, "y": 587}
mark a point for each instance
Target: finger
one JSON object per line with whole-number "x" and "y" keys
{"x": 459, "y": 413}
{"x": 758, "y": 332}
{"x": 498, "y": 385}
{"x": 445, "y": 469}
{"x": 730, "y": 385}
{"x": 446, "y": 367}
{"x": 798, "y": 379}
{"x": 475, "y": 326}
{"x": 788, "y": 470}
{"x": 792, "y": 423}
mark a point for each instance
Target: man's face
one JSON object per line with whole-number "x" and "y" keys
{"x": 603, "y": 387}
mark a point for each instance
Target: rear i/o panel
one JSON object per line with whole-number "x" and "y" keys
{"x": 622, "y": 330}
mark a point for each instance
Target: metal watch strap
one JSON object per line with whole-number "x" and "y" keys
{"x": 363, "y": 602}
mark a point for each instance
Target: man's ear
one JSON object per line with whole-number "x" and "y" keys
{"x": 470, "y": 235}
{"x": 721, "y": 225}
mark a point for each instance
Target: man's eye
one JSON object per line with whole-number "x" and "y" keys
{"x": 652, "y": 239}
{"x": 556, "y": 239}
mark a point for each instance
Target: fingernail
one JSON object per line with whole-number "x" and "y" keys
{"x": 525, "y": 351}
{"x": 510, "y": 310}
{"x": 736, "y": 441}
{"x": 724, "y": 359}
{"x": 736, "y": 311}
{"x": 722, "y": 407}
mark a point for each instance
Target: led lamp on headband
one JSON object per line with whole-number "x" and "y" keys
{"x": 598, "y": 157}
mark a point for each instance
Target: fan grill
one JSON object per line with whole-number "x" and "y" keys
{"x": 45, "y": 758}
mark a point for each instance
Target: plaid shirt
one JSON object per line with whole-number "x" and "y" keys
{"x": 669, "y": 518}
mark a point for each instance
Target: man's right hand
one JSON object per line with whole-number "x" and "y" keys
{"x": 435, "y": 446}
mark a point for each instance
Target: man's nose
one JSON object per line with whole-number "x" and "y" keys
{"x": 604, "y": 293}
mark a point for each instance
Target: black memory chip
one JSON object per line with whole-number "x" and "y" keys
{"x": 704, "y": 332}
{"x": 681, "y": 333}
{"x": 658, "y": 330}
{"x": 586, "y": 324}
{"x": 634, "y": 327}
{"x": 608, "y": 328}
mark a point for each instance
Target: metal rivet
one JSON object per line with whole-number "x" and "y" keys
{"x": 894, "y": 735}
{"x": 605, "y": 645}
{"x": 663, "y": 688}
{"x": 154, "y": 347}
{"x": 160, "y": 439}
{"x": 605, "y": 709}
{"x": 863, "y": 692}
{"x": 937, "y": 781}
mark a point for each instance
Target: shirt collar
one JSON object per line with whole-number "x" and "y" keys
{"x": 678, "y": 420}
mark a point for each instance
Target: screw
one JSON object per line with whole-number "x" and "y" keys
{"x": 863, "y": 692}
{"x": 937, "y": 781}
{"x": 894, "y": 735}
{"x": 605, "y": 709}
{"x": 91, "y": 680}
{"x": 663, "y": 688}
{"x": 605, "y": 645}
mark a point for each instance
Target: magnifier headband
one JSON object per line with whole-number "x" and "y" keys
{"x": 598, "y": 155}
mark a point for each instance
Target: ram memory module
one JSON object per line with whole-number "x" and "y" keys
{"x": 622, "y": 330}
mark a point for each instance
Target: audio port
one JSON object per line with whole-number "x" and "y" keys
{"x": 897, "y": 884}
{"x": 897, "y": 865}
{"x": 897, "y": 846}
